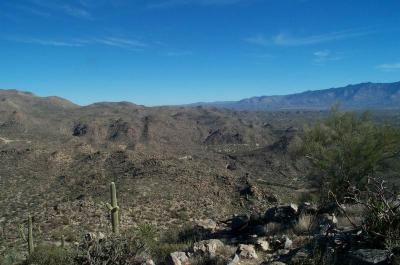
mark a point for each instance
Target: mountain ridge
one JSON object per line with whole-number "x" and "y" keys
{"x": 357, "y": 96}
{"x": 365, "y": 95}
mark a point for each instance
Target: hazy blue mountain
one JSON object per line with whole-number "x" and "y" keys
{"x": 360, "y": 96}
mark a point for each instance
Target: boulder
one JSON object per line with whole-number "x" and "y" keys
{"x": 370, "y": 257}
{"x": 239, "y": 223}
{"x": 208, "y": 247}
{"x": 282, "y": 243}
{"x": 247, "y": 252}
{"x": 178, "y": 258}
{"x": 287, "y": 243}
{"x": 148, "y": 262}
{"x": 263, "y": 244}
{"x": 234, "y": 261}
{"x": 285, "y": 215}
{"x": 206, "y": 224}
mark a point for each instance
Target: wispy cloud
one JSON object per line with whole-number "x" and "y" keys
{"x": 388, "y": 67}
{"x": 46, "y": 42}
{"x": 283, "y": 39}
{"x": 125, "y": 43}
{"x": 178, "y": 53}
{"x": 39, "y": 7}
{"x": 171, "y": 3}
{"x": 76, "y": 12}
{"x": 323, "y": 56}
{"x": 120, "y": 42}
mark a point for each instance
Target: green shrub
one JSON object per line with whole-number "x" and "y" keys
{"x": 346, "y": 148}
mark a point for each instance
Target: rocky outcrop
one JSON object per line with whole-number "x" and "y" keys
{"x": 178, "y": 258}
{"x": 208, "y": 248}
{"x": 370, "y": 257}
{"x": 285, "y": 215}
{"x": 247, "y": 252}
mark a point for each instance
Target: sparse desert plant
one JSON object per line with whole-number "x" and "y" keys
{"x": 382, "y": 211}
{"x": 114, "y": 209}
{"x": 115, "y": 249}
{"x": 11, "y": 257}
{"x": 174, "y": 239}
{"x": 29, "y": 236}
{"x": 50, "y": 255}
{"x": 274, "y": 228}
{"x": 304, "y": 224}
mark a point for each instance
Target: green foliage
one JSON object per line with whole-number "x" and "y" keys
{"x": 346, "y": 148}
{"x": 50, "y": 255}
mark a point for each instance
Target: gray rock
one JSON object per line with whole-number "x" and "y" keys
{"x": 287, "y": 243}
{"x": 208, "y": 247}
{"x": 239, "y": 223}
{"x": 286, "y": 215}
{"x": 148, "y": 262}
{"x": 263, "y": 244}
{"x": 370, "y": 257}
{"x": 247, "y": 252}
{"x": 206, "y": 224}
{"x": 282, "y": 252}
{"x": 178, "y": 258}
{"x": 234, "y": 261}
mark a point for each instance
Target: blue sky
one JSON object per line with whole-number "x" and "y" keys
{"x": 156, "y": 52}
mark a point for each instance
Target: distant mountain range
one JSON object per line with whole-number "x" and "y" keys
{"x": 360, "y": 96}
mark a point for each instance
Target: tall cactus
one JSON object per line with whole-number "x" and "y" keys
{"x": 28, "y": 238}
{"x": 114, "y": 209}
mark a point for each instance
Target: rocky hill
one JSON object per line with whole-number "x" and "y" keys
{"x": 360, "y": 96}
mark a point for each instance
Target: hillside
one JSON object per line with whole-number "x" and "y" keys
{"x": 171, "y": 165}
{"x": 360, "y": 96}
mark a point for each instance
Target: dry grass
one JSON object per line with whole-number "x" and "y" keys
{"x": 354, "y": 209}
{"x": 304, "y": 225}
{"x": 274, "y": 228}
{"x": 354, "y": 212}
{"x": 345, "y": 222}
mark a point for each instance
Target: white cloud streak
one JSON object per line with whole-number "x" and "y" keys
{"x": 283, "y": 39}
{"x": 389, "y": 67}
{"x": 323, "y": 56}
{"x": 125, "y": 43}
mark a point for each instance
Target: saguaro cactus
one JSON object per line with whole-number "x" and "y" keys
{"x": 28, "y": 238}
{"x": 114, "y": 209}
{"x": 62, "y": 241}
